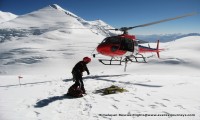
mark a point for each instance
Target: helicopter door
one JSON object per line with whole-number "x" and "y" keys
{"x": 127, "y": 45}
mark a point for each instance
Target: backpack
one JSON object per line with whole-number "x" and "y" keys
{"x": 75, "y": 91}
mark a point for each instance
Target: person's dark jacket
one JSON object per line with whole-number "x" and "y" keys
{"x": 80, "y": 67}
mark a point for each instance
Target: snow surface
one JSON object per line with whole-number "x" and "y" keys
{"x": 6, "y": 16}
{"x": 44, "y": 54}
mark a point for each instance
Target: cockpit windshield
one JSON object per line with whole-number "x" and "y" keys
{"x": 127, "y": 44}
{"x": 112, "y": 40}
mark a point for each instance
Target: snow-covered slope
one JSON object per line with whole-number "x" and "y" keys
{"x": 178, "y": 55}
{"x": 44, "y": 54}
{"x": 168, "y": 87}
{"x": 43, "y": 18}
{"x": 6, "y": 16}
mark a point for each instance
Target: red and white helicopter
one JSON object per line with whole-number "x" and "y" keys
{"x": 126, "y": 48}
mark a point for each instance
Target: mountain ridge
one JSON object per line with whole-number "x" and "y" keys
{"x": 41, "y": 21}
{"x": 6, "y": 16}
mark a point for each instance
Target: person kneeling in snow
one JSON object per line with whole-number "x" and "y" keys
{"x": 77, "y": 73}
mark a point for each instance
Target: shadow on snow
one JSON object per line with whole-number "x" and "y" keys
{"x": 45, "y": 102}
{"x": 97, "y": 77}
{"x": 103, "y": 78}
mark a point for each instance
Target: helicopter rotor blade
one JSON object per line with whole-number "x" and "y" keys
{"x": 160, "y": 21}
{"x": 116, "y": 29}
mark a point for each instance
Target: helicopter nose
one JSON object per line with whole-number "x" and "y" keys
{"x": 106, "y": 49}
{"x": 102, "y": 49}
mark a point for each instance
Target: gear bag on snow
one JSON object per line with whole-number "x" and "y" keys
{"x": 75, "y": 91}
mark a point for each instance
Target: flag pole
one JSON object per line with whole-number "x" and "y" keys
{"x": 19, "y": 78}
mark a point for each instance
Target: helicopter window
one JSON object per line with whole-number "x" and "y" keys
{"x": 136, "y": 43}
{"x": 127, "y": 44}
{"x": 113, "y": 40}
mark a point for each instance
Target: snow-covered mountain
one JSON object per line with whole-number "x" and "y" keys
{"x": 43, "y": 18}
{"x": 6, "y": 16}
{"x": 39, "y": 49}
{"x": 41, "y": 21}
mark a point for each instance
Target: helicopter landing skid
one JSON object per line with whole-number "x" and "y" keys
{"x": 126, "y": 60}
{"x": 110, "y": 62}
{"x": 139, "y": 56}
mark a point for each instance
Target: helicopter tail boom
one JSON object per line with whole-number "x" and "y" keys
{"x": 144, "y": 49}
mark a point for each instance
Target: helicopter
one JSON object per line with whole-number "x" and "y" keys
{"x": 126, "y": 48}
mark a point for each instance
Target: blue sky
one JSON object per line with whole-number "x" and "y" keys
{"x": 122, "y": 13}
